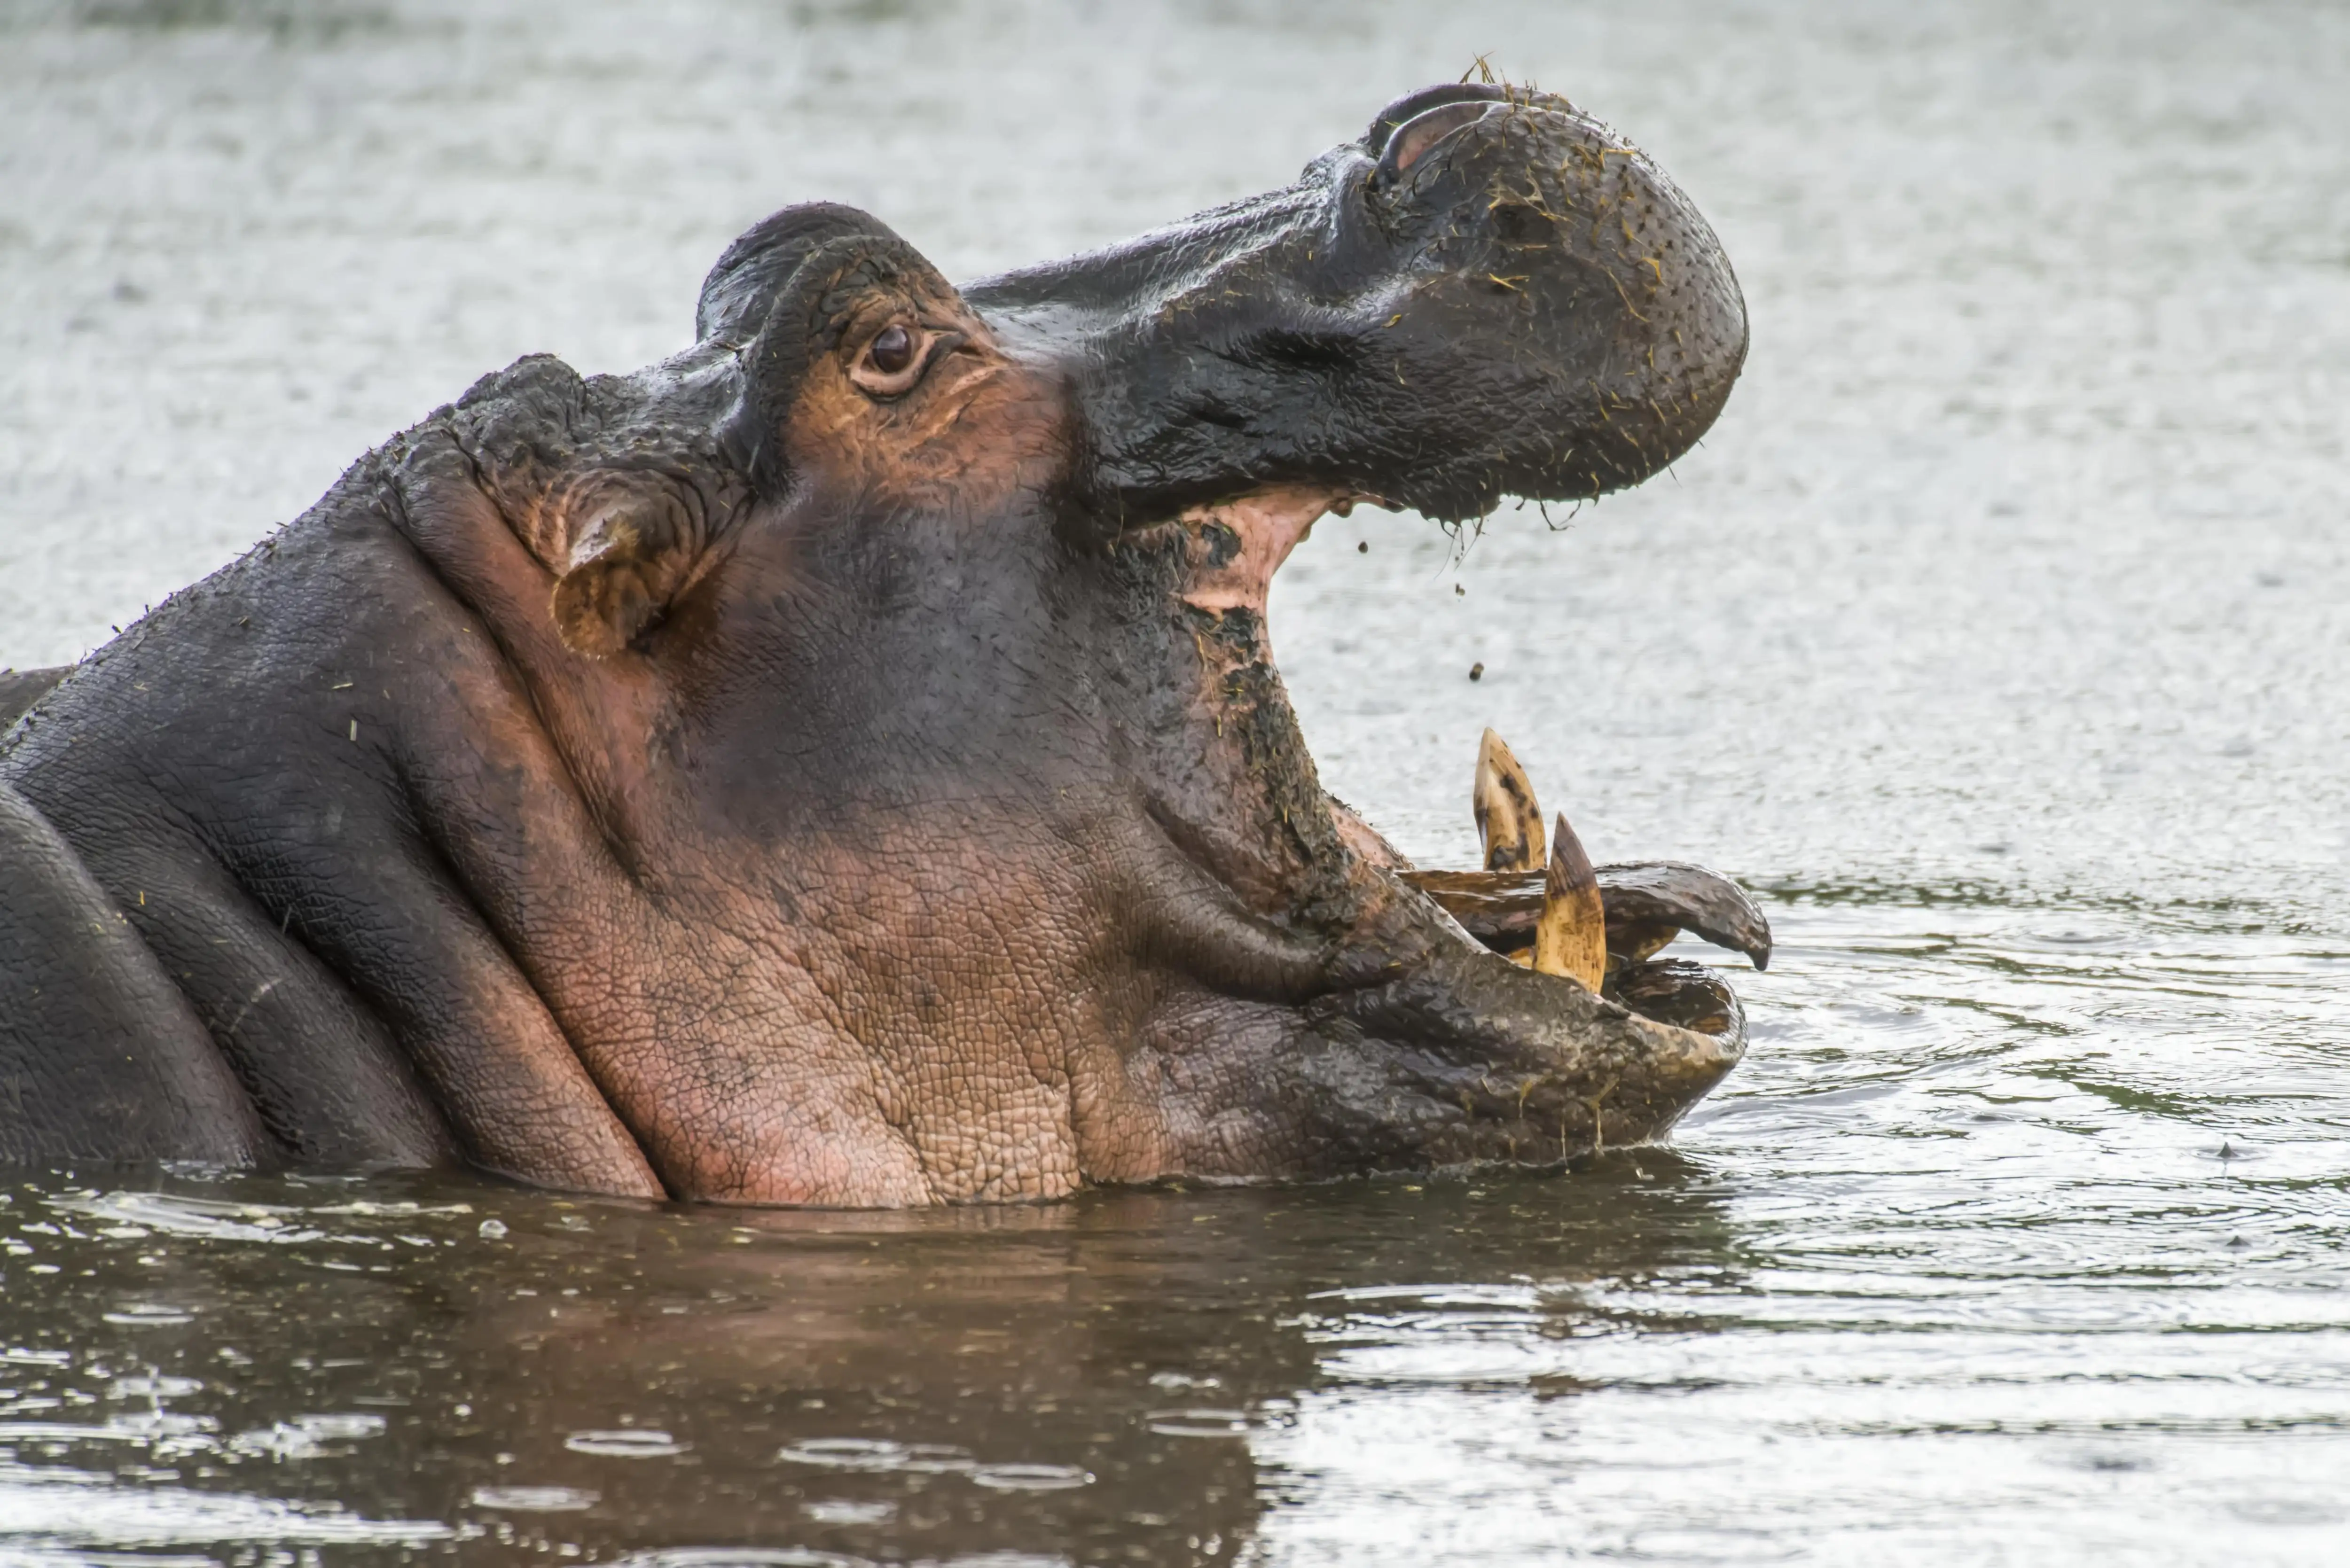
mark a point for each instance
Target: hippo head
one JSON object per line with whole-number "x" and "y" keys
{"x": 907, "y": 645}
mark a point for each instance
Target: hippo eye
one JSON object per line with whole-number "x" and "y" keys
{"x": 894, "y": 359}
{"x": 892, "y": 351}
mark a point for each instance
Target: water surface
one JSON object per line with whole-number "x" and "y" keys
{"x": 1998, "y": 633}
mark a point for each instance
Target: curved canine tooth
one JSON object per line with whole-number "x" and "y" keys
{"x": 1509, "y": 820}
{"x": 1571, "y": 937}
{"x": 1647, "y": 903}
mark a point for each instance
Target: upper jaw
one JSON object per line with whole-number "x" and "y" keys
{"x": 1530, "y": 308}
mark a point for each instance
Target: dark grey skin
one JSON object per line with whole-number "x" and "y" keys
{"x": 842, "y": 763}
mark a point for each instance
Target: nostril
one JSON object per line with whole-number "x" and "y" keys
{"x": 1412, "y": 139}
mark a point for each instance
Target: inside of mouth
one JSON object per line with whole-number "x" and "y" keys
{"x": 1646, "y": 907}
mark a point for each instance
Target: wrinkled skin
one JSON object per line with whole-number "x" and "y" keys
{"x": 843, "y": 763}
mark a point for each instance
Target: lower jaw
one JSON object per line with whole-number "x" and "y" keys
{"x": 1235, "y": 547}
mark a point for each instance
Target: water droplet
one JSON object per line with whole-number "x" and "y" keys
{"x": 151, "y": 1314}
{"x": 1199, "y": 1423}
{"x": 625, "y": 1445}
{"x": 1030, "y": 1477}
{"x": 1184, "y": 1380}
{"x": 534, "y": 1498}
{"x": 154, "y": 1387}
{"x": 877, "y": 1454}
{"x": 837, "y": 1510}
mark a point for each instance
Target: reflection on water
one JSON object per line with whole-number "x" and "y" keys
{"x": 468, "y": 1363}
{"x": 1997, "y": 632}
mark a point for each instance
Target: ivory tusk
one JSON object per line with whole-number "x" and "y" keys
{"x": 1509, "y": 820}
{"x": 1571, "y": 937}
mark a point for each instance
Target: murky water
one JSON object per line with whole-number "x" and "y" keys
{"x": 2001, "y": 630}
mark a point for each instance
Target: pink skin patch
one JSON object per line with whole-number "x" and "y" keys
{"x": 1271, "y": 523}
{"x": 1366, "y": 841}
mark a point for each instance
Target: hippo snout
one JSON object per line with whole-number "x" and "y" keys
{"x": 1490, "y": 293}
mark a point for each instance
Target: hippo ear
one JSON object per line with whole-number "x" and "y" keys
{"x": 635, "y": 543}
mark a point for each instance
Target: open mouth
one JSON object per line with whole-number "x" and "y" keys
{"x": 1535, "y": 899}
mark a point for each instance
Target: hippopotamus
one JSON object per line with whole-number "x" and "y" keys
{"x": 843, "y": 763}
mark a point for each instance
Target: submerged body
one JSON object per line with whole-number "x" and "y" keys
{"x": 843, "y": 763}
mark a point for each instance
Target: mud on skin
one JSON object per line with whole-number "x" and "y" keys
{"x": 844, "y": 763}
